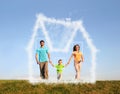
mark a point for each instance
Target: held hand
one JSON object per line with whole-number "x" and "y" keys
{"x": 50, "y": 62}
{"x": 66, "y": 64}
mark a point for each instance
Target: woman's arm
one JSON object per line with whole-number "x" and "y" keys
{"x": 70, "y": 59}
{"x": 82, "y": 58}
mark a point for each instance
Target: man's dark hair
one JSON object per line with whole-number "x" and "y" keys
{"x": 74, "y": 48}
{"x": 59, "y": 60}
{"x": 41, "y": 41}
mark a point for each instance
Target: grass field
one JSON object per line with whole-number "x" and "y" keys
{"x": 24, "y": 87}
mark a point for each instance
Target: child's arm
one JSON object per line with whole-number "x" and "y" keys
{"x": 65, "y": 65}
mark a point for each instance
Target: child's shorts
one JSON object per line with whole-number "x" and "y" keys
{"x": 59, "y": 75}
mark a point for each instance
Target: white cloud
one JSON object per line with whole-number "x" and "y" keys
{"x": 76, "y": 25}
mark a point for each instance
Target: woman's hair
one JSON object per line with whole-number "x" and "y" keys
{"x": 74, "y": 47}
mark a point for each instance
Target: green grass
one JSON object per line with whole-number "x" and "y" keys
{"x": 24, "y": 87}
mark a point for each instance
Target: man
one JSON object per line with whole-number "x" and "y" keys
{"x": 42, "y": 56}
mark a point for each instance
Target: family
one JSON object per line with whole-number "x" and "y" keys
{"x": 43, "y": 57}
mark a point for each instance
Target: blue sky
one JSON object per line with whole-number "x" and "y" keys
{"x": 100, "y": 18}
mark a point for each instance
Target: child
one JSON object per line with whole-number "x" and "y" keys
{"x": 59, "y": 68}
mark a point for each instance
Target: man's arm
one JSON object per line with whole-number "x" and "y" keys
{"x": 52, "y": 64}
{"x": 49, "y": 57}
{"x": 36, "y": 57}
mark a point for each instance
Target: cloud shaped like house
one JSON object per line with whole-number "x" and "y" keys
{"x": 77, "y": 27}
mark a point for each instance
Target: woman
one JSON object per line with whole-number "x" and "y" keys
{"x": 78, "y": 58}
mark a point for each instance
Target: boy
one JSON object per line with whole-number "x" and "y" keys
{"x": 59, "y": 68}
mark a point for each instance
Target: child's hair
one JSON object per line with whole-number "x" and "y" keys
{"x": 59, "y": 60}
{"x": 74, "y": 47}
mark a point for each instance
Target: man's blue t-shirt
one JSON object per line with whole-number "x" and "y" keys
{"x": 42, "y": 54}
